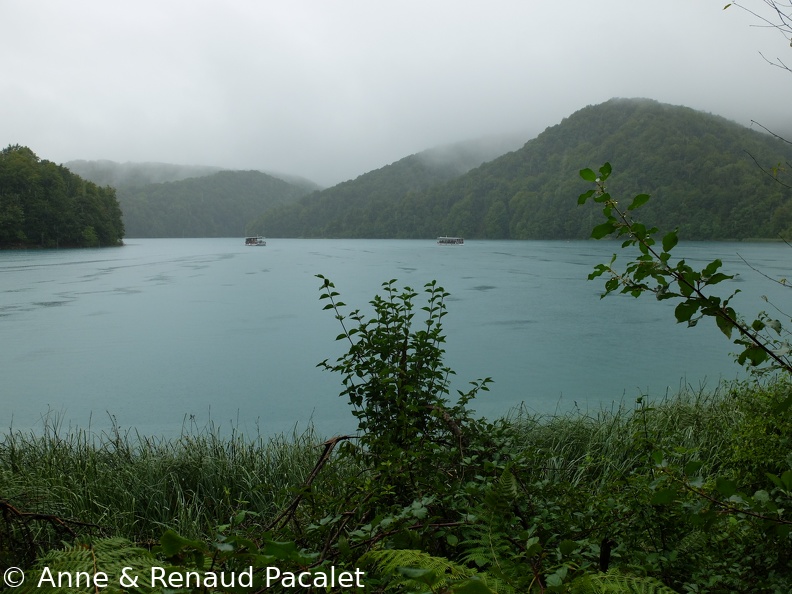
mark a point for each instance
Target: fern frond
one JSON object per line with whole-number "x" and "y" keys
{"x": 109, "y": 555}
{"x": 500, "y": 497}
{"x": 387, "y": 562}
{"x": 487, "y": 542}
{"x": 507, "y": 485}
{"x": 694, "y": 541}
{"x": 616, "y": 583}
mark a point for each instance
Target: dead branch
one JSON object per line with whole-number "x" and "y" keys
{"x": 288, "y": 514}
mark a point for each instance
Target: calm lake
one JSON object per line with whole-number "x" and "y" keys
{"x": 163, "y": 332}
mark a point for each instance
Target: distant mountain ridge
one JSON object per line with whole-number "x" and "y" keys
{"x": 701, "y": 170}
{"x": 217, "y": 205}
{"x": 110, "y": 173}
{"x": 339, "y": 210}
{"x": 169, "y": 200}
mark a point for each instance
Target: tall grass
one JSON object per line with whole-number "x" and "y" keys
{"x": 136, "y": 486}
{"x": 608, "y": 445}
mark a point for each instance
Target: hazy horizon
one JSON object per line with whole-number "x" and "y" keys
{"x": 329, "y": 91}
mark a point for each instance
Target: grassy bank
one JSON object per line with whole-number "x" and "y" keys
{"x": 639, "y": 481}
{"x": 137, "y": 486}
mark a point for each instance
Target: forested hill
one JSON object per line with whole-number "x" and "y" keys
{"x": 700, "y": 169}
{"x": 217, "y": 205}
{"x": 352, "y": 208}
{"x": 46, "y": 205}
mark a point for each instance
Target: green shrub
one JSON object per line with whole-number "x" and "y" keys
{"x": 762, "y": 432}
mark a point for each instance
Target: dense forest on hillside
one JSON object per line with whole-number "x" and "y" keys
{"x": 212, "y": 201}
{"x": 46, "y": 205}
{"x": 701, "y": 170}
{"x": 218, "y": 205}
{"x": 708, "y": 176}
{"x": 349, "y": 208}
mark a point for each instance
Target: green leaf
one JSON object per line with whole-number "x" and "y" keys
{"x": 639, "y": 230}
{"x": 567, "y": 547}
{"x": 775, "y": 479}
{"x": 783, "y": 530}
{"x": 725, "y": 325}
{"x": 755, "y": 355}
{"x": 554, "y": 580}
{"x": 588, "y": 175}
{"x": 605, "y": 171}
{"x": 172, "y": 543}
{"x": 585, "y": 196}
{"x": 281, "y": 550}
{"x": 664, "y": 497}
{"x": 762, "y": 497}
{"x": 639, "y": 201}
{"x": 687, "y": 282}
{"x": 602, "y": 198}
{"x": 224, "y": 547}
{"x": 603, "y": 230}
{"x": 725, "y": 487}
{"x": 669, "y": 241}
{"x": 692, "y": 467}
{"x": 718, "y": 277}
{"x": 711, "y": 268}
{"x": 685, "y": 310}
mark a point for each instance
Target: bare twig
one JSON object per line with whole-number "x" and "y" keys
{"x": 17, "y": 537}
{"x": 288, "y": 513}
{"x": 763, "y": 170}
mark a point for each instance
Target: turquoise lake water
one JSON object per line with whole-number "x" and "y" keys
{"x": 163, "y": 332}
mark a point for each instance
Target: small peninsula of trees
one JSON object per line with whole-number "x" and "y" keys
{"x": 43, "y": 204}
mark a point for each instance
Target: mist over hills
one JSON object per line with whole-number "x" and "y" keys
{"x": 700, "y": 168}
{"x": 351, "y": 208}
{"x": 119, "y": 175}
{"x": 167, "y": 200}
{"x": 703, "y": 171}
{"x": 217, "y": 205}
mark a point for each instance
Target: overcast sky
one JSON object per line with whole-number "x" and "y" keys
{"x": 332, "y": 89}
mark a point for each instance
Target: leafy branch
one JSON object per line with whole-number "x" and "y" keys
{"x": 728, "y": 489}
{"x": 654, "y": 271}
